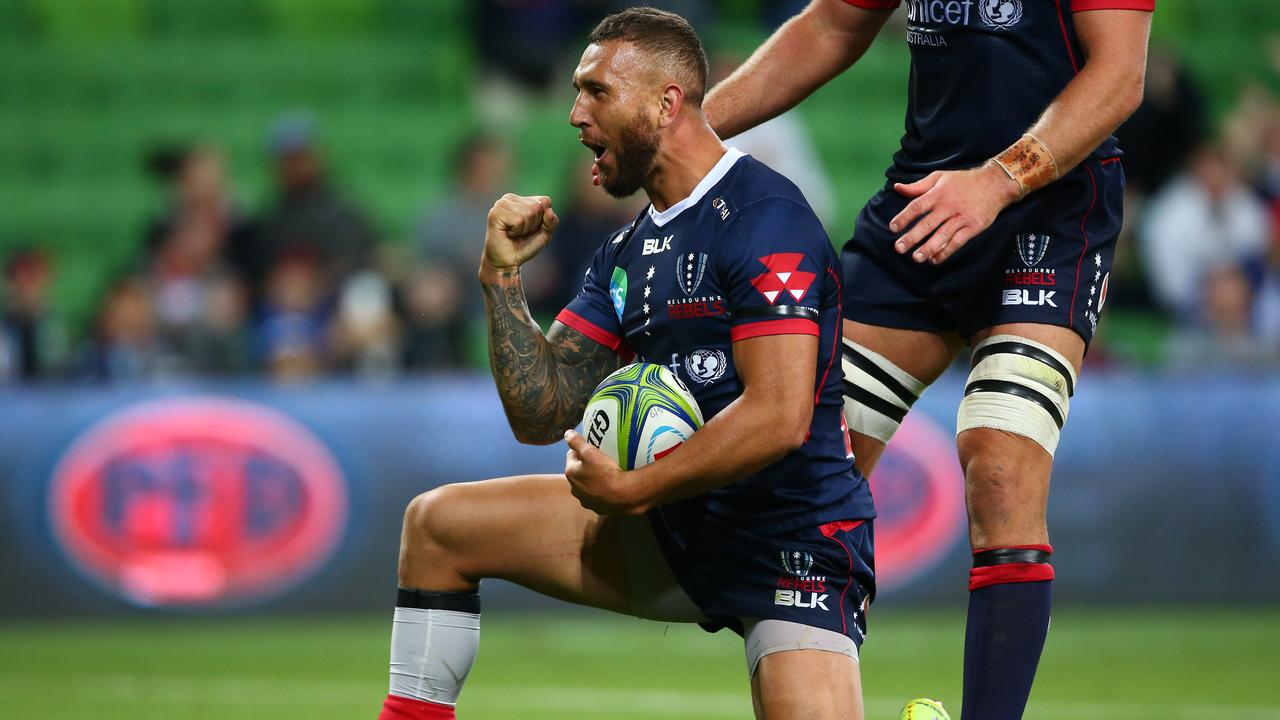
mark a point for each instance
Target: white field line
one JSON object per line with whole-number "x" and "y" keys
{"x": 298, "y": 694}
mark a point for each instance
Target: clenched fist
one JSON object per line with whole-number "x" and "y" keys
{"x": 518, "y": 228}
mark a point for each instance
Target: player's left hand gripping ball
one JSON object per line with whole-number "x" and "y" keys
{"x": 595, "y": 478}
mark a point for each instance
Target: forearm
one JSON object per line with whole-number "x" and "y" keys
{"x": 744, "y": 438}
{"x": 806, "y": 52}
{"x": 525, "y": 366}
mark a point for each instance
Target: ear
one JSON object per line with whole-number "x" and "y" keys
{"x": 672, "y": 101}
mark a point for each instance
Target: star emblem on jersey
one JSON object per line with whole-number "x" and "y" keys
{"x": 783, "y": 275}
{"x": 1032, "y": 247}
{"x": 796, "y": 562}
{"x": 689, "y": 270}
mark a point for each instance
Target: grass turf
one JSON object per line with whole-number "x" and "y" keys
{"x": 1132, "y": 664}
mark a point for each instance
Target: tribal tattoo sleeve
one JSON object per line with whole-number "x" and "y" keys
{"x": 544, "y": 381}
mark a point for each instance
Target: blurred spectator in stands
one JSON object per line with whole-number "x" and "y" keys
{"x": 435, "y": 332}
{"x": 365, "y": 335}
{"x": 785, "y": 145}
{"x": 1266, "y": 309}
{"x": 521, "y": 45}
{"x": 588, "y": 218}
{"x": 1221, "y": 335}
{"x": 291, "y": 334}
{"x": 1203, "y": 219}
{"x": 198, "y": 301}
{"x": 309, "y": 215}
{"x": 451, "y": 231}
{"x": 123, "y": 345}
{"x": 1166, "y": 128}
{"x": 33, "y": 339}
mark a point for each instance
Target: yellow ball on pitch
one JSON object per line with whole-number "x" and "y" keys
{"x": 923, "y": 709}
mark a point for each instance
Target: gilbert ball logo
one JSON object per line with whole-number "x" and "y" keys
{"x": 1000, "y": 13}
{"x": 919, "y": 492}
{"x": 197, "y": 502}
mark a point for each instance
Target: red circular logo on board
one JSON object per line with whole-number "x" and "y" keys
{"x": 197, "y": 501}
{"x": 919, "y": 493}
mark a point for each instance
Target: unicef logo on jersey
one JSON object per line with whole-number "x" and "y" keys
{"x": 705, "y": 366}
{"x": 1000, "y": 14}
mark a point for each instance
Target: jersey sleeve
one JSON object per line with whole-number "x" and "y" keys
{"x": 773, "y": 264}
{"x": 1087, "y": 5}
{"x": 875, "y": 4}
{"x": 596, "y": 311}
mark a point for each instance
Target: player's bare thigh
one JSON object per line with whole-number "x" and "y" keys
{"x": 529, "y": 530}
{"x": 807, "y": 685}
{"x": 923, "y": 355}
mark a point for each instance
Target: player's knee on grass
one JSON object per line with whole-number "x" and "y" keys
{"x": 1019, "y": 386}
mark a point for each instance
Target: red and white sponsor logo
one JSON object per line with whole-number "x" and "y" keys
{"x": 809, "y": 583}
{"x": 783, "y": 275}
{"x": 686, "y": 308}
{"x": 1038, "y": 276}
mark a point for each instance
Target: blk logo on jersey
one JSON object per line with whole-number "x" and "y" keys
{"x": 653, "y": 246}
{"x": 1029, "y": 297}
{"x": 689, "y": 270}
{"x": 1032, "y": 247}
{"x": 781, "y": 276}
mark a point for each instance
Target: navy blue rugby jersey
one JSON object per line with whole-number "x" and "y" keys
{"x": 982, "y": 72}
{"x": 742, "y": 257}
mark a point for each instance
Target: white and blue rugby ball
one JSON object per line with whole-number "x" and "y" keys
{"x": 639, "y": 414}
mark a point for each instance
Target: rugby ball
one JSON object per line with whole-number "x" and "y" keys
{"x": 639, "y": 414}
{"x": 924, "y": 709}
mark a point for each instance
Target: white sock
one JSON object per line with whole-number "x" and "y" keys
{"x": 432, "y": 652}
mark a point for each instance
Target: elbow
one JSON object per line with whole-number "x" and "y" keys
{"x": 793, "y": 431}
{"x": 1130, "y": 96}
{"x": 530, "y": 436}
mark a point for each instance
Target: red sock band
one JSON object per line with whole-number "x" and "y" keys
{"x": 1013, "y": 572}
{"x": 396, "y": 707}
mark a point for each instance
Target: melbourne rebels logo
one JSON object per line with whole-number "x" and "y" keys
{"x": 1000, "y": 13}
{"x": 783, "y": 275}
{"x": 689, "y": 270}
{"x": 705, "y": 366}
{"x": 1032, "y": 247}
{"x": 197, "y": 502}
{"x": 796, "y": 562}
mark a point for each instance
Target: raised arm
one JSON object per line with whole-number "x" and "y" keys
{"x": 808, "y": 50}
{"x": 954, "y": 206}
{"x": 544, "y": 381}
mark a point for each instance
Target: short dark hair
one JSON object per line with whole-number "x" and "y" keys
{"x": 664, "y": 35}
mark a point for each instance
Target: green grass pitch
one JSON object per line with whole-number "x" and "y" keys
{"x": 1132, "y": 664}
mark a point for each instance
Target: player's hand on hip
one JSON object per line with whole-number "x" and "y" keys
{"x": 517, "y": 229}
{"x": 596, "y": 480}
{"x": 949, "y": 208}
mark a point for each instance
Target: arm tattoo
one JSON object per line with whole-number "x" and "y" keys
{"x": 544, "y": 381}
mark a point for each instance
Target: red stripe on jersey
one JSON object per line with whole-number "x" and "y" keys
{"x": 591, "y": 330}
{"x": 403, "y": 708}
{"x": 836, "y": 345}
{"x": 875, "y": 4}
{"x": 1087, "y": 5}
{"x": 981, "y": 577}
{"x": 1084, "y": 219}
{"x": 834, "y": 527}
{"x": 1057, "y": 4}
{"x": 789, "y": 326}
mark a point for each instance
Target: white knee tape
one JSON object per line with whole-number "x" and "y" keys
{"x": 877, "y": 393}
{"x": 1019, "y": 386}
{"x": 765, "y": 637}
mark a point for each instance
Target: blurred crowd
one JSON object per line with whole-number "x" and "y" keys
{"x": 307, "y": 286}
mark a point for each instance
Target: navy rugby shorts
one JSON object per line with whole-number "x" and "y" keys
{"x": 1045, "y": 259}
{"x": 821, "y": 575}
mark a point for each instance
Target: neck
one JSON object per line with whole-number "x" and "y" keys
{"x": 690, "y": 151}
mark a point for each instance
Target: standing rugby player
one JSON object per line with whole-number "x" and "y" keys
{"x": 759, "y": 522}
{"x": 996, "y": 230}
